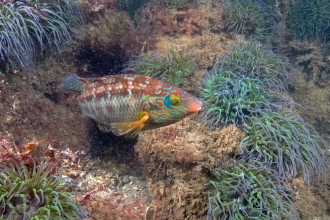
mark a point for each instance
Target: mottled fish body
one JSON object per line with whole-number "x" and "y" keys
{"x": 127, "y": 104}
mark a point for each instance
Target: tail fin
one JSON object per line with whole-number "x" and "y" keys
{"x": 73, "y": 83}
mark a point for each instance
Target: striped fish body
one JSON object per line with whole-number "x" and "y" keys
{"x": 127, "y": 104}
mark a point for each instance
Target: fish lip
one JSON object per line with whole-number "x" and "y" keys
{"x": 197, "y": 106}
{"x": 201, "y": 105}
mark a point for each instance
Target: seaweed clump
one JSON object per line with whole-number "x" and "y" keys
{"x": 29, "y": 26}
{"x": 131, "y": 6}
{"x": 310, "y": 18}
{"x": 250, "y": 80}
{"x": 174, "y": 67}
{"x": 249, "y": 191}
{"x": 232, "y": 97}
{"x": 177, "y": 4}
{"x": 253, "y": 18}
{"x": 286, "y": 141}
{"x": 258, "y": 61}
{"x": 35, "y": 193}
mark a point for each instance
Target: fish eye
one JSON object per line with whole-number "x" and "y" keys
{"x": 175, "y": 100}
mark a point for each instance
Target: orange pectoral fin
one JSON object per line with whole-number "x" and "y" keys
{"x": 129, "y": 129}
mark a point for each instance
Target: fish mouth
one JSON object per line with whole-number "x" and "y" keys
{"x": 196, "y": 106}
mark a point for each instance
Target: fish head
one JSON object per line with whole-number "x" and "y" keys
{"x": 171, "y": 104}
{"x": 181, "y": 99}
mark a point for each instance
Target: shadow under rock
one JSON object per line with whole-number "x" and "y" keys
{"x": 108, "y": 145}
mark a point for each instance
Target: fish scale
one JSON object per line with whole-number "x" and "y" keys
{"x": 127, "y": 104}
{"x": 105, "y": 105}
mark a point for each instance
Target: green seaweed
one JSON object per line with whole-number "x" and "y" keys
{"x": 310, "y": 18}
{"x": 174, "y": 67}
{"x": 253, "y": 18}
{"x": 29, "y": 26}
{"x": 289, "y": 143}
{"x": 249, "y": 191}
{"x": 35, "y": 193}
{"x": 257, "y": 61}
{"x": 233, "y": 97}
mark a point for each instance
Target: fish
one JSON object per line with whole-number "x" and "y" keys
{"x": 128, "y": 104}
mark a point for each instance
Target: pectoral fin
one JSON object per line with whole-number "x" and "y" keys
{"x": 103, "y": 127}
{"x": 129, "y": 129}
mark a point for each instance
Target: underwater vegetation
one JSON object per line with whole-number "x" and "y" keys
{"x": 310, "y": 18}
{"x": 177, "y": 4}
{"x": 34, "y": 193}
{"x": 29, "y": 26}
{"x": 289, "y": 143}
{"x": 253, "y": 18}
{"x": 256, "y": 60}
{"x": 131, "y": 6}
{"x": 249, "y": 80}
{"x": 249, "y": 191}
{"x": 231, "y": 97}
{"x": 326, "y": 37}
{"x": 158, "y": 19}
{"x": 174, "y": 67}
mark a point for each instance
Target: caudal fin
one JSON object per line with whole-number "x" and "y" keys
{"x": 73, "y": 83}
